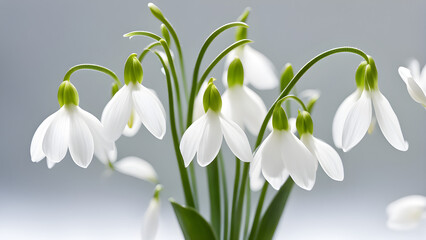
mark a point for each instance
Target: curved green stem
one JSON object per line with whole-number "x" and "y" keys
{"x": 142, "y": 33}
{"x": 147, "y": 50}
{"x": 93, "y": 67}
{"x": 183, "y": 173}
{"x": 293, "y": 98}
{"x": 196, "y": 87}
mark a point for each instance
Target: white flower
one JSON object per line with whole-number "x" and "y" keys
{"x": 415, "y": 81}
{"x": 152, "y": 216}
{"x": 198, "y": 103}
{"x": 244, "y": 107}
{"x": 406, "y": 213}
{"x": 70, "y": 128}
{"x": 136, "y": 167}
{"x": 259, "y": 70}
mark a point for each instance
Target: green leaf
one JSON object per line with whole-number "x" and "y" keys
{"x": 273, "y": 213}
{"x": 193, "y": 225}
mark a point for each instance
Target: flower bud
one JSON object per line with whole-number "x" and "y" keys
{"x": 360, "y": 75}
{"x": 235, "y": 73}
{"x": 165, "y": 34}
{"x": 241, "y": 32}
{"x": 304, "y": 123}
{"x": 279, "y": 119}
{"x": 286, "y": 76}
{"x": 67, "y": 94}
{"x": 155, "y": 11}
{"x": 211, "y": 98}
{"x": 133, "y": 70}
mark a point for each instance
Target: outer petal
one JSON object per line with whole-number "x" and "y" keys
{"x": 117, "y": 113}
{"x": 232, "y": 105}
{"x": 422, "y": 80}
{"x": 236, "y": 139}
{"x": 413, "y": 87}
{"x": 138, "y": 168}
{"x": 273, "y": 166}
{"x": 357, "y": 122}
{"x": 254, "y": 110}
{"x": 150, "y": 111}
{"x": 258, "y": 69}
{"x": 211, "y": 139}
{"x": 256, "y": 179}
{"x": 406, "y": 213}
{"x": 191, "y": 139}
{"x": 388, "y": 121}
{"x": 299, "y": 162}
{"x": 50, "y": 164}
{"x": 151, "y": 220}
{"x": 341, "y": 115}
{"x": 130, "y": 132}
{"x": 55, "y": 142}
{"x": 328, "y": 157}
{"x": 36, "y": 148}
{"x": 198, "y": 103}
{"x": 292, "y": 123}
{"x": 414, "y": 67}
{"x": 81, "y": 141}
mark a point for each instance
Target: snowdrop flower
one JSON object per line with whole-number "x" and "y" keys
{"x": 204, "y": 136}
{"x": 354, "y": 116}
{"x": 70, "y": 128}
{"x": 134, "y": 104}
{"x": 152, "y": 216}
{"x": 240, "y": 104}
{"x": 198, "y": 103}
{"x": 259, "y": 70}
{"x": 282, "y": 154}
{"x": 415, "y": 81}
{"x": 328, "y": 158}
{"x": 406, "y": 213}
{"x": 136, "y": 167}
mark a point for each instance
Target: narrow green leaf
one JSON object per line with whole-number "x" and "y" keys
{"x": 193, "y": 225}
{"x": 273, "y": 213}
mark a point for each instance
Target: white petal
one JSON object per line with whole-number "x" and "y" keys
{"x": 151, "y": 220}
{"x": 81, "y": 141}
{"x": 273, "y": 166}
{"x": 136, "y": 167}
{"x": 299, "y": 162}
{"x": 50, "y": 164}
{"x": 414, "y": 67}
{"x": 328, "y": 157}
{"x": 191, "y": 139}
{"x": 406, "y": 213}
{"x": 150, "y": 111}
{"x": 413, "y": 87}
{"x": 211, "y": 139}
{"x": 388, "y": 121}
{"x": 55, "y": 142}
{"x": 198, "y": 103}
{"x": 36, "y": 148}
{"x": 258, "y": 70}
{"x": 422, "y": 80}
{"x": 357, "y": 122}
{"x": 254, "y": 110}
{"x": 256, "y": 179}
{"x": 310, "y": 94}
{"x": 117, "y": 112}
{"x": 232, "y": 105}
{"x": 130, "y": 132}
{"x": 236, "y": 139}
{"x": 341, "y": 115}
{"x": 292, "y": 123}
{"x": 405, "y": 73}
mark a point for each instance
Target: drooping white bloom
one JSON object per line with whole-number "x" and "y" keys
{"x": 70, "y": 128}
{"x": 259, "y": 70}
{"x": 406, "y": 213}
{"x": 134, "y": 102}
{"x": 198, "y": 103}
{"x": 152, "y": 216}
{"x": 136, "y": 167}
{"x": 205, "y": 135}
{"x": 415, "y": 81}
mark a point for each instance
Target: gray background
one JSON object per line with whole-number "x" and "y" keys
{"x": 41, "y": 39}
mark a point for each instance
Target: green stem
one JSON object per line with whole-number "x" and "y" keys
{"x": 147, "y": 50}
{"x": 214, "y": 192}
{"x": 236, "y": 223}
{"x": 142, "y": 33}
{"x": 292, "y": 97}
{"x": 235, "y": 193}
{"x": 225, "y": 196}
{"x": 248, "y": 206}
{"x": 291, "y": 84}
{"x": 194, "y": 184}
{"x": 92, "y": 67}
{"x": 196, "y": 87}
{"x": 182, "y": 170}
{"x": 253, "y": 231}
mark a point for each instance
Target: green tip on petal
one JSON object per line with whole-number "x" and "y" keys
{"x": 360, "y": 75}
{"x": 211, "y": 98}
{"x": 67, "y": 94}
{"x": 279, "y": 118}
{"x": 241, "y": 32}
{"x": 286, "y": 76}
{"x": 165, "y": 34}
{"x": 157, "y": 191}
{"x": 133, "y": 70}
{"x": 235, "y": 73}
{"x": 304, "y": 123}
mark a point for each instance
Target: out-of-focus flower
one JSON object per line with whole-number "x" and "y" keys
{"x": 136, "y": 167}
{"x": 152, "y": 216}
{"x": 406, "y": 213}
{"x": 415, "y": 81}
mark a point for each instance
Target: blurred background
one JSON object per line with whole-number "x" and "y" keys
{"x": 41, "y": 40}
